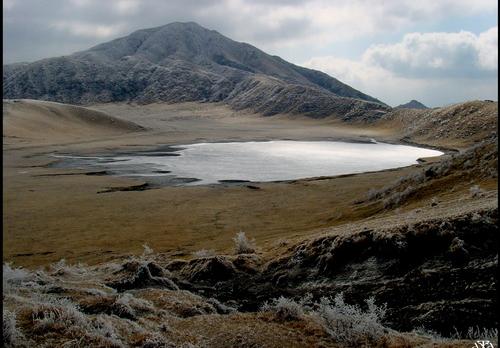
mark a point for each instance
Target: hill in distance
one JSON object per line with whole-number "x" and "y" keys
{"x": 412, "y": 104}
{"x": 44, "y": 121}
{"x": 182, "y": 62}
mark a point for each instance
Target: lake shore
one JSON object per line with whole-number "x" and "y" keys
{"x": 50, "y": 217}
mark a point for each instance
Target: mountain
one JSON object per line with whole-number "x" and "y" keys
{"x": 185, "y": 62}
{"x": 412, "y": 104}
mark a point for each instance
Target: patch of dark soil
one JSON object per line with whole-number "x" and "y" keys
{"x": 140, "y": 187}
{"x": 32, "y": 254}
{"x": 100, "y": 172}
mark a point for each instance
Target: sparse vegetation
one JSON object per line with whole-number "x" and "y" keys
{"x": 348, "y": 323}
{"x": 12, "y": 337}
{"x": 475, "y": 162}
{"x": 204, "y": 253}
{"x": 129, "y": 303}
{"x": 476, "y": 191}
{"x": 477, "y": 333}
{"x": 243, "y": 245}
{"x": 284, "y": 309}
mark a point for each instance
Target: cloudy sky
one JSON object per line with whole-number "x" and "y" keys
{"x": 436, "y": 51}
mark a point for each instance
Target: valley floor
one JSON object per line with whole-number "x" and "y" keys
{"x": 401, "y": 235}
{"x": 44, "y": 223}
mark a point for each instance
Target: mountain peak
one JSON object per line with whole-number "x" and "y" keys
{"x": 412, "y": 104}
{"x": 183, "y": 61}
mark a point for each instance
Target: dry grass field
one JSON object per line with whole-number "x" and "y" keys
{"x": 413, "y": 249}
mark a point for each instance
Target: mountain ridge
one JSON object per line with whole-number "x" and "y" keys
{"x": 181, "y": 62}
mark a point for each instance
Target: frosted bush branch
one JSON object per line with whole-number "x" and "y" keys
{"x": 284, "y": 309}
{"x": 243, "y": 245}
{"x": 348, "y": 323}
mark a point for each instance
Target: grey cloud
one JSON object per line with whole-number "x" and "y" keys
{"x": 440, "y": 55}
{"x": 37, "y": 29}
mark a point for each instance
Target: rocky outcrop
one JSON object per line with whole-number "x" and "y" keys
{"x": 438, "y": 274}
{"x": 137, "y": 275}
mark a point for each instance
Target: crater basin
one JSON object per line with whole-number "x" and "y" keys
{"x": 256, "y": 161}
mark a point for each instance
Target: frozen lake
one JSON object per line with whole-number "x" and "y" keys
{"x": 209, "y": 163}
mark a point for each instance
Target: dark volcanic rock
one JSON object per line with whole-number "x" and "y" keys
{"x": 137, "y": 275}
{"x": 211, "y": 269}
{"x": 439, "y": 274}
{"x": 186, "y": 62}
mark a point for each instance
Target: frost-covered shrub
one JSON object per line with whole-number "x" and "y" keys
{"x": 14, "y": 277}
{"x": 61, "y": 268}
{"x": 348, "y": 323}
{"x": 477, "y": 333}
{"x": 102, "y": 333}
{"x": 414, "y": 179}
{"x": 443, "y": 167}
{"x": 398, "y": 197}
{"x": 373, "y": 194}
{"x": 58, "y": 314}
{"x": 148, "y": 252}
{"x": 126, "y": 306}
{"x": 282, "y": 242}
{"x": 155, "y": 340}
{"x": 434, "y": 202}
{"x": 476, "y": 191}
{"x": 243, "y": 245}
{"x": 204, "y": 253}
{"x": 284, "y": 309}
{"x": 12, "y": 336}
{"x": 220, "y": 307}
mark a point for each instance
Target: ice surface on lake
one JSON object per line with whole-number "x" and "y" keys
{"x": 272, "y": 160}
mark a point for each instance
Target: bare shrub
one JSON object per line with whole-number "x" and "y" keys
{"x": 443, "y": 167}
{"x": 281, "y": 242}
{"x": 414, "y": 179}
{"x": 434, "y": 202}
{"x": 14, "y": 277}
{"x": 127, "y": 306}
{"x": 472, "y": 333}
{"x": 398, "y": 197}
{"x": 155, "y": 340}
{"x": 148, "y": 252}
{"x": 348, "y": 323}
{"x": 476, "y": 191}
{"x": 477, "y": 333}
{"x": 204, "y": 253}
{"x": 284, "y": 309}
{"x": 101, "y": 325}
{"x": 373, "y": 194}
{"x": 243, "y": 245}
{"x": 58, "y": 313}
{"x": 100, "y": 334}
{"x": 12, "y": 336}
{"x": 220, "y": 307}
{"x": 61, "y": 268}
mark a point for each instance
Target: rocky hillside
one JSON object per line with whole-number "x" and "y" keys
{"x": 457, "y": 125}
{"x": 186, "y": 62}
{"x": 412, "y": 104}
